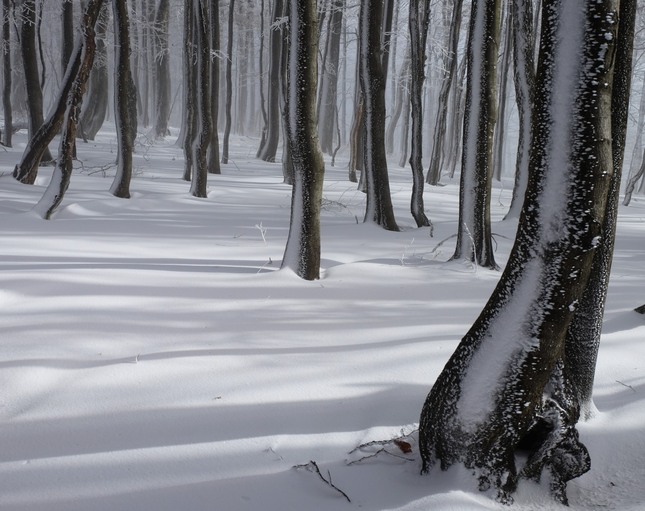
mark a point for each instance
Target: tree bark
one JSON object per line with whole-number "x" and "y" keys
{"x": 213, "y": 148}
{"x": 161, "y": 69}
{"x": 124, "y": 99}
{"x": 379, "y": 202}
{"x": 302, "y": 253}
{"x": 514, "y": 350}
{"x": 67, "y": 33}
{"x": 418, "y": 23}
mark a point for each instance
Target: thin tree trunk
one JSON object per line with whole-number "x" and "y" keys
{"x": 229, "y": 81}
{"x": 6, "y": 72}
{"x": 213, "y": 148}
{"x": 500, "y": 126}
{"x": 161, "y": 69}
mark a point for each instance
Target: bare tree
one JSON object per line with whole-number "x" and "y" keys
{"x": 229, "y": 80}
{"x": 6, "y": 71}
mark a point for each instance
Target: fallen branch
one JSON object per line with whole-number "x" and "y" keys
{"x": 312, "y": 466}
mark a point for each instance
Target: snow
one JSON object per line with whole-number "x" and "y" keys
{"x": 154, "y": 358}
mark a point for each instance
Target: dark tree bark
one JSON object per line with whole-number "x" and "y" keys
{"x": 6, "y": 72}
{"x": 204, "y": 113}
{"x": 229, "y": 81}
{"x": 190, "y": 90}
{"x": 27, "y": 169}
{"x": 583, "y": 335}
{"x": 67, "y": 33}
{"x": 515, "y": 349}
{"x": 32, "y": 76}
{"x": 474, "y": 239}
{"x": 161, "y": 69}
{"x": 124, "y": 100}
{"x": 96, "y": 102}
{"x": 302, "y": 253}
{"x": 59, "y": 183}
{"x": 500, "y": 126}
{"x": 285, "y": 106}
{"x": 419, "y": 20}
{"x": 267, "y": 152}
{"x": 263, "y": 107}
{"x": 524, "y": 78}
{"x": 449, "y": 66}
{"x": 379, "y": 202}
{"x": 213, "y": 147}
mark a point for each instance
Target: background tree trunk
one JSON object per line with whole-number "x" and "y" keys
{"x": 161, "y": 69}
{"x": 379, "y": 202}
{"x": 229, "y": 81}
{"x": 474, "y": 241}
{"x": 6, "y": 72}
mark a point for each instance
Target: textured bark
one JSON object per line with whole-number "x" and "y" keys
{"x": 379, "y": 202}
{"x": 59, "y": 183}
{"x": 190, "y": 90}
{"x": 124, "y": 98}
{"x": 419, "y": 20}
{"x": 204, "y": 119}
{"x": 474, "y": 239}
{"x": 516, "y": 345}
{"x": 583, "y": 336}
{"x": 302, "y": 253}
{"x": 449, "y": 66}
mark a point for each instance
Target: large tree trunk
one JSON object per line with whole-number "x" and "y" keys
{"x": 505, "y": 394}
{"x": 583, "y": 336}
{"x": 418, "y": 22}
{"x": 524, "y": 78}
{"x": 32, "y": 77}
{"x": 474, "y": 240}
{"x": 60, "y": 179}
{"x": 190, "y": 90}
{"x": 302, "y": 253}
{"x": 124, "y": 98}
{"x": 379, "y": 202}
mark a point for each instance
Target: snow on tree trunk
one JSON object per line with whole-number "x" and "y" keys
{"x": 505, "y": 391}
{"x": 474, "y": 241}
{"x": 61, "y": 176}
{"x": 583, "y": 336}
{"x": 372, "y": 79}
{"x": 124, "y": 101}
{"x": 302, "y": 253}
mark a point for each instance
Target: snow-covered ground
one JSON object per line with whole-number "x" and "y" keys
{"x": 152, "y": 356}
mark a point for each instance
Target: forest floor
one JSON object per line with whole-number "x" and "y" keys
{"x": 153, "y": 357}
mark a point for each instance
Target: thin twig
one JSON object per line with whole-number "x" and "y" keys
{"x": 625, "y": 385}
{"x": 312, "y": 466}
